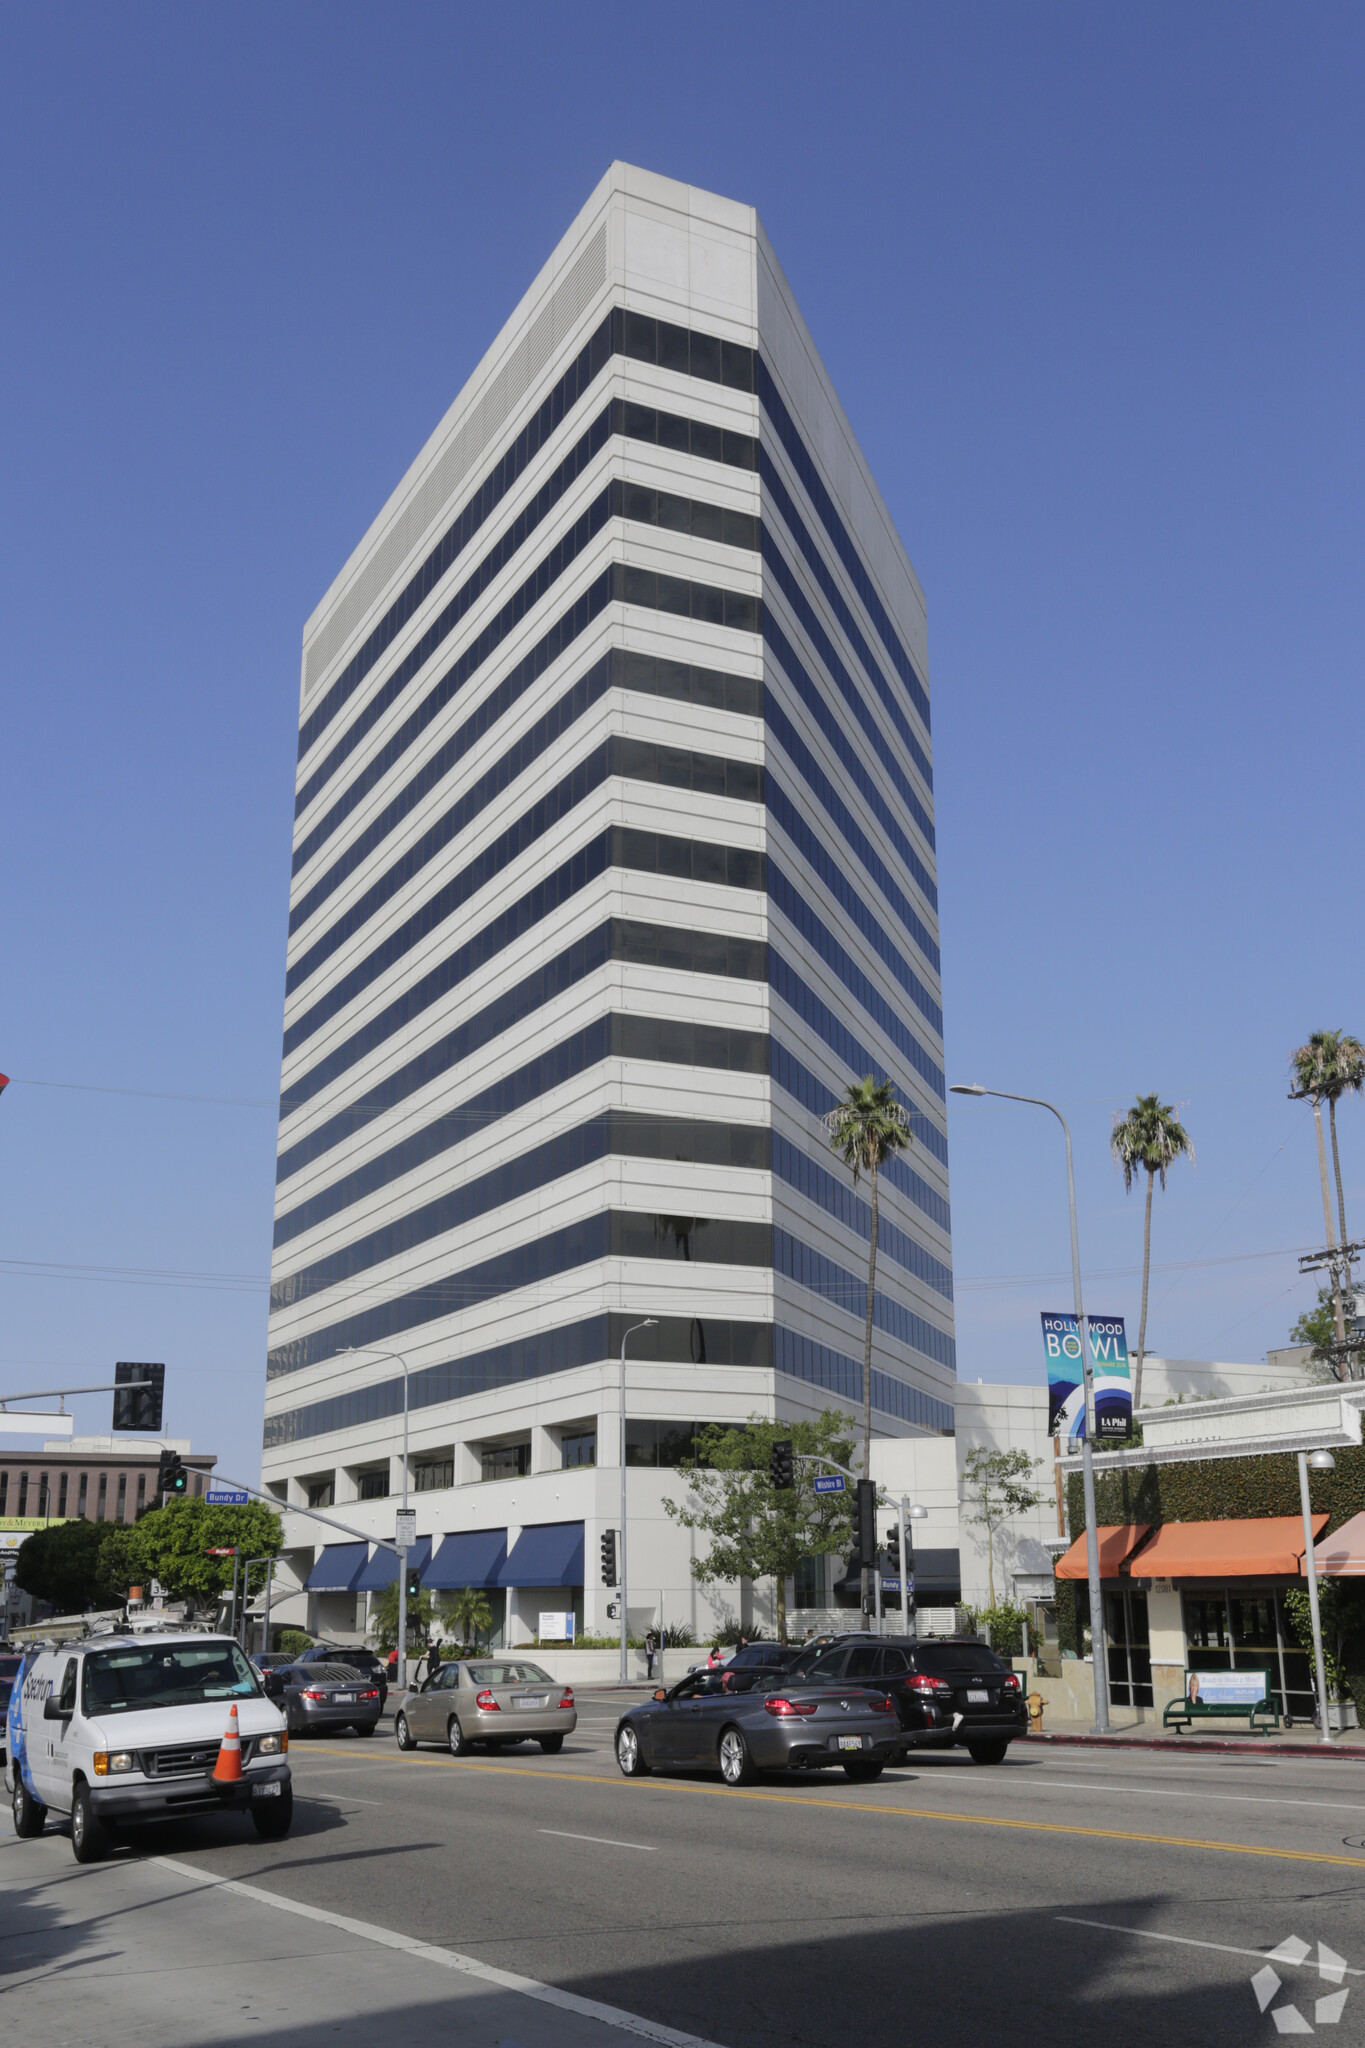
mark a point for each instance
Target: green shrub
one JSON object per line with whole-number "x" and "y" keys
{"x": 293, "y": 1641}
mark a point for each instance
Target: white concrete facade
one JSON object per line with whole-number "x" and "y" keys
{"x": 614, "y": 863}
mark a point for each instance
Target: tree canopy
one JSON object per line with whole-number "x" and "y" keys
{"x": 82, "y": 1565}
{"x": 757, "y": 1530}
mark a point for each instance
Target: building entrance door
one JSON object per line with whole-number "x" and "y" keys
{"x": 1130, "y": 1654}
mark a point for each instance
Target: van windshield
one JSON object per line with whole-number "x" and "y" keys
{"x": 164, "y": 1675}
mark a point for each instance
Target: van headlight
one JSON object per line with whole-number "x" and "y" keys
{"x": 111, "y": 1761}
{"x": 272, "y": 1745}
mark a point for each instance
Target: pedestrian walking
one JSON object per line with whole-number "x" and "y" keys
{"x": 651, "y": 1650}
{"x": 715, "y": 1660}
{"x": 433, "y": 1659}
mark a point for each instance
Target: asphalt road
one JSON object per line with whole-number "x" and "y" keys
{"x": 1066, "y": 1896}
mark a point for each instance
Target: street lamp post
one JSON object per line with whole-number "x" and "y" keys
{"x": 1318, "y": 1461}
{"x": 647, "y": 1324}
{"x": 1092, "y": 1541}
{"x": 401, "y": 1675}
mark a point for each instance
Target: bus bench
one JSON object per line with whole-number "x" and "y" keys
{"x": 1262, "y": 1714}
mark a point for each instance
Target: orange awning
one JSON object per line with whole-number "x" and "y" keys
{"x": 1265, "y": 1547}
{"x": 1117, "y": 1543}
{"x": 1342, "y": 1554}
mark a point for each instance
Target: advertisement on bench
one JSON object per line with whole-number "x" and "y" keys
{"x": 1225, "y": 1688}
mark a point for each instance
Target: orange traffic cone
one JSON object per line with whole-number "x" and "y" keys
{"x": 228, "y": 1768}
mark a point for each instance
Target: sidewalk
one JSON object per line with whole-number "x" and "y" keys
{"x": 1284, "y": 1742}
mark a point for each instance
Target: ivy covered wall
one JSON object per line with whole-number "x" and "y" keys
{"x": 1220, "y": 1490}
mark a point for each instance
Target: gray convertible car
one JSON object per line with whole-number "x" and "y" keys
{"x": 762, "y": 1726}
{"x": 491, "y": 1700}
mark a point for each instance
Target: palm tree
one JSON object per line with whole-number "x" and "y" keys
{"x": 470, "y": 1615}
{"x": 865, "y": 1129}
{"x": 1150, "y": 1138}
{"x": 1330, "y": 1065}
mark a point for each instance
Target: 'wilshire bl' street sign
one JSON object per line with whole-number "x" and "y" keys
{"x": 829, "y": 1482}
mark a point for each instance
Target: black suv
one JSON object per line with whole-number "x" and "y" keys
{"x": 947, "y": 1689}
{"x": 364, "y": 1661}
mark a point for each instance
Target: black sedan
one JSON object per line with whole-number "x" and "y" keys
{"x": 317, "y": 1697}
{"x": 758, "y": 1724}
{"x": 947, "y": 1691}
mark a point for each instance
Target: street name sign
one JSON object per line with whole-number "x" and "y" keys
{"x": 222, "y": 1497}
{"x": 829, "y": 1482}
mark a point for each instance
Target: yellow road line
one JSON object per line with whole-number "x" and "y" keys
{"x": 968, "y": 1820}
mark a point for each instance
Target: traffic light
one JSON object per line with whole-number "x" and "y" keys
{"x": 867, "y": 1520}
{"x": 782, "y": 1465}
{"x": 413, "y": 1581}
{"x": 172, "y": 1480}
{"x": 138, "y": 1407}
{"x": 893, "y": 1544}
{"x": 610, "y": 1575}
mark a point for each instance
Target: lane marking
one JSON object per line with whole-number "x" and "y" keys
{"x": 1171, "y": 1792}
{"x": 1223, "y": 1948}
{"x": 446, "y": 1958}
{"x": 647, "y": 1848}
{"x": 340, "y": 1799}
{"x": 969, "y": 1820}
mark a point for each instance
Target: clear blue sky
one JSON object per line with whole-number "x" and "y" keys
{"x": 1089, "y": 283}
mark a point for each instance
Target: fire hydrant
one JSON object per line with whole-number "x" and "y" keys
{"x": 1035, "y": 1712}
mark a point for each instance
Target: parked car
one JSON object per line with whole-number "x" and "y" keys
{"x": 947, "y": 1690}
{"x": 771, "y": 1725}
{"x": 495, "y": 1701}
{"x": 362, "y": 1660}
{"x": 314, "y": 1697}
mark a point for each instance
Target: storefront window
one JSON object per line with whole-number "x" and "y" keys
{"x": 1246, "y": 1630}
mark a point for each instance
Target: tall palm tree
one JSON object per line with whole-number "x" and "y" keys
{"x": 1149, "y": 1139}
{"x": 1330, "y": 1065}
{"x": 865, "y": 1129}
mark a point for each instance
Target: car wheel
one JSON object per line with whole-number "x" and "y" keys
{"x": 29, "y": 1814}
{"x": 402, "y": 1733}
{"x": 736, "y": 1764}
{"x": 272, "y": 1817}
{"x": 987, "y": 1752}
{"x": 552, "y": 1744}
{"x": 863, "y": 1774}
{"x": 89, "y": 1837}
{"x": 629, "y": 1754}
{"x": 455, "y": 1737}
{"x": 364, "y": 1727}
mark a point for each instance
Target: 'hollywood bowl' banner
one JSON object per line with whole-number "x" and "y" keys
{"x": 1066, "y": 1381}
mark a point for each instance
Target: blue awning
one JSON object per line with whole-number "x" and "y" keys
{"x": 547, "y": 1554}
{"x": 338, "y": 1569}
{"x": 473, "y": 1558}
{"x": 382, "y": 1568}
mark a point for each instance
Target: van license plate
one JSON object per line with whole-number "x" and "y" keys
{"x": 978, "y": 1699}
{"x": 270, "y": 1791}
{"x": 850, "y": 1742}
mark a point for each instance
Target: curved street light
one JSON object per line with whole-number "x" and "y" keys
{"x": 1092, "y": 1541}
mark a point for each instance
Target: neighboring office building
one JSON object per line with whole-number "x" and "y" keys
{"x": 93, "y": 1478}
{"x": 613, "y": 865}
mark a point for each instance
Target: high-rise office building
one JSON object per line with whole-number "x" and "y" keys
{"x": 613, "y": 865}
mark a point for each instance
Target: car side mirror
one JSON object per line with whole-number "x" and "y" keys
{"x": 53, "y": 1710}
{"x": 661, "y": 1694}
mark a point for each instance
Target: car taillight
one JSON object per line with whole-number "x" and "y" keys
{"x": 921, "y": 1682}
{"x": 370, "y": 1695}
{"x": 487, "y": 1703}
{"x": 567, "y": 1700}
{"x": 782, "y": 1707}
{"x": 315, "y": 1695}
{"x": 883, "y": 1705}
{"x": 1011, "y": 1681}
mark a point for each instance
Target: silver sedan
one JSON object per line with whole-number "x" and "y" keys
{"x": 494, "y": 1701}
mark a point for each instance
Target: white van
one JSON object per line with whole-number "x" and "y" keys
{"x": 117, "y": 1729}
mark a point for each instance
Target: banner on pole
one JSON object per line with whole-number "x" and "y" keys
{"x": 1066, "y": 1383}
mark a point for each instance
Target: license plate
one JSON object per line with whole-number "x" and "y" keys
{"x": 538, "y": 1701}
{"x": 978, "y": 1699}
{"x": 270, "y": 1791}
{"x": 849, "y": 1741}
{"x": 344, "y": 1699}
